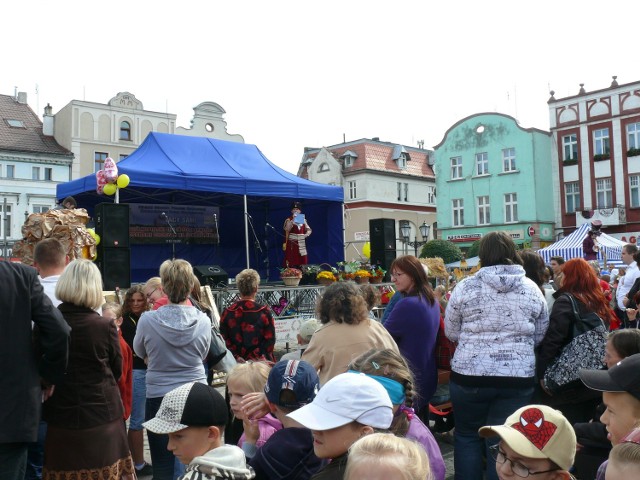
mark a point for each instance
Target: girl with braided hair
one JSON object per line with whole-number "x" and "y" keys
{"x": 391, "y": 370}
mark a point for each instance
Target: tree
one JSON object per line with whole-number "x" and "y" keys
{"x": 449, "y": 252}
{"x": 473, "y": 249}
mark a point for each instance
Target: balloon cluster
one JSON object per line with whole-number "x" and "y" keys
{"x": 108, "y": 181}
{"x": 366, "y": 250}
{"x": 96, "y": 237}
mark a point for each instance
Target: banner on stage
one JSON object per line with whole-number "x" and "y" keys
{"x": 149, "y": 224}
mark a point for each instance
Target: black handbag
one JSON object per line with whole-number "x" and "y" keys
{"x": 585, "y": 350}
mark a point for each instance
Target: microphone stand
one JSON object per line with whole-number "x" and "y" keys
{"x": 256, "y": 242}
{"x": 175, "y": 236}
{"x": 266, "y": 246}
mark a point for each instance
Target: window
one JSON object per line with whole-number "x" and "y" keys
{"x": 48, "y": 174}
{"x": 123, "y": 156}
{"x": 99, "y": 158}
{"x": 41, "y": 208}
{"x": 570, "y": 147}
{"x": 125, "y": 131}
{"x": 35, "y": 173}
{"x": 402, "y": 160}
{"x": 484, "y": 212}
{"x": 403, "y": 191}
{"x": 604, "y": 193}
{"x": 457, "y": 210}
{"x": 431, "y": 195}
{"x": 601, "y": 141}
{"x": 15, "y": 123}
{"x": 456, "y": 168}
{"x": 510, "y": 207}
{"x": 634, "y": 188}
{"x": 11, "y": 171}
{"x": 633, "y": 135}
{"x": 352, "y": 189}
{"x": 509, "y": 160}
{"x": 572, "y": 196}
{"x": 348, "y": 160}
{"x": 482, "y": 164}
{"x": 324, "y": 167}
{"x": 5, "y": 220}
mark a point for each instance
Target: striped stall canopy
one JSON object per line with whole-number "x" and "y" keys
{"x": 571, "y": 247}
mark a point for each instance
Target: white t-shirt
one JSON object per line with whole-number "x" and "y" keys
{"x": 626, "y": 282}
{"x": 49, "y": 285}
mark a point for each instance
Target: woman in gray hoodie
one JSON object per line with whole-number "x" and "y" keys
{"x": 174, "y": 340}
{"x": 497, "y": 316}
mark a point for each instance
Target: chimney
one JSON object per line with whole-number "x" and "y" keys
{"x": 22, "y": 97}
{"x": 47, "y": 121}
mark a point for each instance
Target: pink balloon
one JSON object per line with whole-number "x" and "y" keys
{"x": 100, "y": 189}
{"x": 110, "y": 170}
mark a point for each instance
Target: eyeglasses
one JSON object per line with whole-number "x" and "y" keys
{"x": 397, "y": 274}
{"x": 152, "y": 292}
{"x": 516, "y": 467}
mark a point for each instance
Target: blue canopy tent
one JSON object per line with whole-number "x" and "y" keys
{"x": 571, "y": 247}
{"x": 254, "y": 197}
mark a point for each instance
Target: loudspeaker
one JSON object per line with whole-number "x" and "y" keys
{"x": 112, "y": 224}
{"x": 114, "y": 264}
{"x": 382, "y": 238}
{"x": 212, "y": 275}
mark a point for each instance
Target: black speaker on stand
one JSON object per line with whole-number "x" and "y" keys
{"x": 212, "y": 275}
{"x": 382, "y": 237}
{"x": 114, "y": 255}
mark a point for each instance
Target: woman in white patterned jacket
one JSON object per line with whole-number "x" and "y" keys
{"x": 498, "y": 317}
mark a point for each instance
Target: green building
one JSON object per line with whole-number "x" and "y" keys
{"x": 492, "y": 174}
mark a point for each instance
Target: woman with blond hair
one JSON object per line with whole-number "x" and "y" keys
{"x": 175, "y": 341}
{"x": 86, "y": 405}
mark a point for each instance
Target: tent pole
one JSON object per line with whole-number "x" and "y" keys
{"x": 246, "y": 229}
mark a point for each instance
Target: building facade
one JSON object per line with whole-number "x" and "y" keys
{"x": 492, "y": 174}
{"x": 596, "y": 157}
{"x": 380, "y": 180}
{"x": 32, "y": 164}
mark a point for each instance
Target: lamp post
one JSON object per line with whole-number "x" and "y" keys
{"x": 405, "y": 229}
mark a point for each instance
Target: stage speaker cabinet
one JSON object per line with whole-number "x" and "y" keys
{"x": 212, "y": 275}
{"x": 114, "y": 264}
{"x": 112, "y": 224}
{"x": 382, "y": 238}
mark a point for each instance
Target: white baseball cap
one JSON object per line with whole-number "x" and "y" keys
{"x": 348, "y": 397}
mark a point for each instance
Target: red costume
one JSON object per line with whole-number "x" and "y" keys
{"x": 125, "y": 382}
{"x": 295, "y": 248}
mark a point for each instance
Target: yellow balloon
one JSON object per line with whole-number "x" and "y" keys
{"x": 96, "y": 237}
{"x": 366, "y": 250}
{"x": 123, "y": 180}
{"x": 95, "y": 256}
{"x": 110, "y": 189}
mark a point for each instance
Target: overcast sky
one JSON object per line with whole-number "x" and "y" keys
{"x": 295, "y": 74}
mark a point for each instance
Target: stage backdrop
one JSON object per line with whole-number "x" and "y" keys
{"x": 251, "y": 198}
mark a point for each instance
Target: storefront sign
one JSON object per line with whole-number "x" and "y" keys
{"x": 465, "y": 237}
{"x": 361, "y": 236}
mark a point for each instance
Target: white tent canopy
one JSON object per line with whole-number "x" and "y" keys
{"x": 571, "y": 247}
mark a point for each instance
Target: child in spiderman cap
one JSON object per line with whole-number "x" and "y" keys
{"x": 535, "y": 440}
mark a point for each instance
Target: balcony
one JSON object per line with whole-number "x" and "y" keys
{"x": 608, "y": 216}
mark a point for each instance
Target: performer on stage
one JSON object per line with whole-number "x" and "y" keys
{"x": 590, "y": 245}
{"x": 296, "y": 230}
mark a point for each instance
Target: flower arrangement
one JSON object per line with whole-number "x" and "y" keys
{"x": 378, "y": 272}
{"x": 326, "y": 275}
{"x": 290, "y": 273}
{"x": 363, "y": 273}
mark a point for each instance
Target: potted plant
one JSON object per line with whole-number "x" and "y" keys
{"x": 377, "y": 274}
{"x": 290, "y": 276}
{"x": 325, "y": 277}
{"x": 362, "y": 276}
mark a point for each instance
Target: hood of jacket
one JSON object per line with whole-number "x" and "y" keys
{"x": 178, "y": 325}
{"x": 502, "y": 278}
{"x": 226, "y": 461}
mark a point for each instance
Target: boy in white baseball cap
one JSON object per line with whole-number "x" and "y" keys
{"x": 347, "y": 407}
{"x": 535, "y": 440}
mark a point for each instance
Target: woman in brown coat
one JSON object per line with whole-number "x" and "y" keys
{"x": 86, "y": 436}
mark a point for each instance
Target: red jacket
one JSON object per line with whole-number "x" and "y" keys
{"x": 125, "y": 382}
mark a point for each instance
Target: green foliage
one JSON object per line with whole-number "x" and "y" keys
{"x": 449, "y": 252}
{"x": 473, "y": 249}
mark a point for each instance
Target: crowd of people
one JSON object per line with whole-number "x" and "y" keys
{"x": 84, "y": 378}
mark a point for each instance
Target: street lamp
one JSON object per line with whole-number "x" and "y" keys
{"x": 405, "y": 229}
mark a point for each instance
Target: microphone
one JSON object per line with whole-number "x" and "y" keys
{"x": 215, "y": 220}
{"x": 164, "y": 215}
{"x": 268, "y": 224}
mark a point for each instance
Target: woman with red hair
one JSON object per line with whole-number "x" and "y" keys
{"x": 580, "y": 282}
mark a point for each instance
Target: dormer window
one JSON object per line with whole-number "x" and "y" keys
{"x": 348, "y": 158}
{"x": 400, "y": 156}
